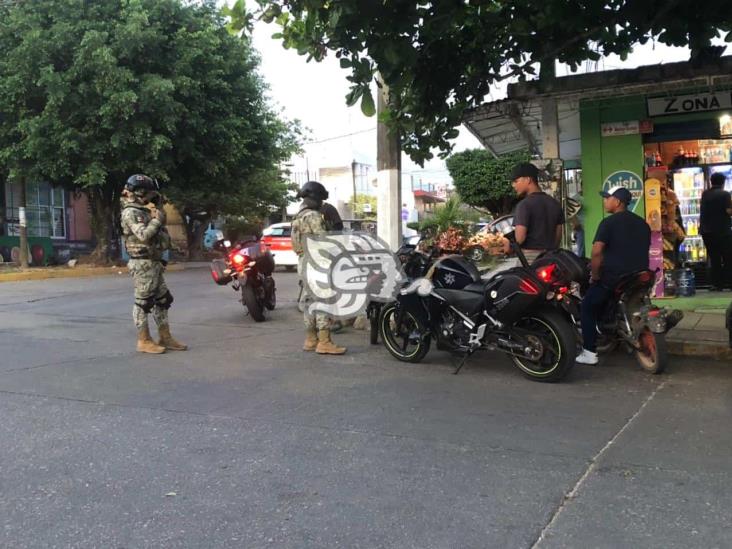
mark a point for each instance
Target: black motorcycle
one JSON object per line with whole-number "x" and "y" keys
{"x": 629, "y": 319}
{"x": 415, "y": 264}
{"x": 510, "y": 312}
{"x": 248, "y": 266}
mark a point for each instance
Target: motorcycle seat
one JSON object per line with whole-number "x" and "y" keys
{"x": 475, "y": 287}
{"x": 632, "y": 282}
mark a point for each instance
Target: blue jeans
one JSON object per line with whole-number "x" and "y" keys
{"x": 592, "y": 305}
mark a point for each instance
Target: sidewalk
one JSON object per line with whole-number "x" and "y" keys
{"x": 16, "y": 274}
{"x": 701, "y": 334}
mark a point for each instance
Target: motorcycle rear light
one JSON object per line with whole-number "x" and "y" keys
{"x": 528, "y": 287}
{"x": 239, "y": 259}
{"x": 563, "y": 290}
{"x": 545, "y": 273}
{"x": 654, "y": 313}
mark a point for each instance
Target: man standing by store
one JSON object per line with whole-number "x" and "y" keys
{"x": 621, "y": 247}
{"x": 538, "y": 218}
{"x": 715, "y": 229}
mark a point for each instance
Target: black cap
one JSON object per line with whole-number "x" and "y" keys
{"x": 525, "y": 169}
{"x": 621, "y": 193}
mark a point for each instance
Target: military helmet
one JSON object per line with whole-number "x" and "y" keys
{"x": 313, "y": 189}
{"x": 141, "y": 183}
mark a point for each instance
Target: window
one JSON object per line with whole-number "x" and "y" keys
{"x": 45, "y": 209}
{"x": 277, "y": 231}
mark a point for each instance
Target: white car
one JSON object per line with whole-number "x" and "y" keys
{"x": 278, "y": 240}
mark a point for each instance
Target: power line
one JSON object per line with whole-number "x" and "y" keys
{"x": 340, "y": 136}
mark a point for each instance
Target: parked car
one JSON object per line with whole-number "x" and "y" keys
{"x": 278, "y": 239}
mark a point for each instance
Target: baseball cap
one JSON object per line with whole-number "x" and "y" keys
{"x": 525, "y": 169}
{"x": 621, "y": 193}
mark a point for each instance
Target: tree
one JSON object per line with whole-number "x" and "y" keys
{"x": 484, "y": 181}
{"x": 440, "y": 58}
{"x": 92, "y": 92}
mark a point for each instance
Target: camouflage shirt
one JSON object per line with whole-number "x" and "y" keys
{"x": 306, "y": 222}
{"x": 142, "y": 232}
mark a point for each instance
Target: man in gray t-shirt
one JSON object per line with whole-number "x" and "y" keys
{"x": 538, "y": 218}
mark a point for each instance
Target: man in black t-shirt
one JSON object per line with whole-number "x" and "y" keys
{"x": 538, "y": 218}
{"x": 620, "y": 247}
{"x": 714, "y": 226}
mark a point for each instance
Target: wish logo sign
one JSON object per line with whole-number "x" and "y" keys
{"x": 342, "y": 272}
{"x": 630, "y": 181}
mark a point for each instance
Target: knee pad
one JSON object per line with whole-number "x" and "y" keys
{"x": 146, "y": 303}
{"x": 165, "y": 301}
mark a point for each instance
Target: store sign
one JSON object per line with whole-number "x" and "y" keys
{"x": 630, "y": 181}
{"x": 682, "y": 104}
{"x": 628, "y": 127}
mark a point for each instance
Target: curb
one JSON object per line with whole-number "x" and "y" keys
{"x": 82, "y": 272}
{"x": 700, "y": 349}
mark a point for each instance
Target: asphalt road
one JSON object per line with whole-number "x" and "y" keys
{"x": 245, "y": 441}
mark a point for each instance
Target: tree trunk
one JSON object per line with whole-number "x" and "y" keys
{"x": 23, "y": 227}
{"x": 195, "y": 230}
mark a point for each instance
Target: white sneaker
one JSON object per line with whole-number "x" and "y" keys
{"x": 587, "y": 357}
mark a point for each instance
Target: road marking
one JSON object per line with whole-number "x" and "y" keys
{"x": 569, "y": 496}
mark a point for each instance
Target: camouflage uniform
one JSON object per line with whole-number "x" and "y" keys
{"x": 145, "y": 240}
{"x": 308, "y": 221}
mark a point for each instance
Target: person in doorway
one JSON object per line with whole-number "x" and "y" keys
{"x": 620, "y": 247}
{"x": 145, "y": 240}
{"x": 715, "y": 229}
{"x": 310, "y": 221}
{"x": 538, "y": 218}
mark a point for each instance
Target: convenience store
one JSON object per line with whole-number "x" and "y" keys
{"x": 672, "y": 121}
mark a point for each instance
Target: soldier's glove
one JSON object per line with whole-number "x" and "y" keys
{"x": 160, "y": 215}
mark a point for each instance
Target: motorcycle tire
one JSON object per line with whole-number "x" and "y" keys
{"x": 399, "y": 350}
{"x": 374, "y": 330}
{"x": 558, "y": 336}
{"x": 270, "y": 294}
{"x": 374, "y": 313}
{"x": 652, "y": 356}
{"x": 250, "y": 301}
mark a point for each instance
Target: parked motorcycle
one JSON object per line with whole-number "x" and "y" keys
{"x": 510, "y": 312}
{"x": 629, "y": 319}
{"x": 415, "y": 264}
{"x": 248, "y": 265}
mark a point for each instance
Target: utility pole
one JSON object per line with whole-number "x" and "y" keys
{"x": 353, "y": 178}
{"x": 23, "y": 226}
{"x": 388, "y": 165}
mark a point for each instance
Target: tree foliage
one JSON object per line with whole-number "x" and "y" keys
{"x": 92, "y": 92}
{"x": 440, "y": 58}
{"x": 484, "y": 181}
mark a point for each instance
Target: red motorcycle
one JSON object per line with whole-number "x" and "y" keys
{"x": 248, "y": 265}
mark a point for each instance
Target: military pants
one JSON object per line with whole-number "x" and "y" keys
{"x": 317, "y": 321}
{"x": 150, "y": 289}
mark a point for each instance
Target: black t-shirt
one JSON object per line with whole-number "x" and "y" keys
{"x": 713, "y": 217}
{"x": 540, "y": 214}
{"x": 627, "y": 239}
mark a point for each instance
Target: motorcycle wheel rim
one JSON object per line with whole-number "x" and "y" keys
{"x": 555, "y": 347}
{"x": 647, "y": 348}
{"x": 408, "y": 328}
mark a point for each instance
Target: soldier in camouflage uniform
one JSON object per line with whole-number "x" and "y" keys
{"x": 146, "y": 239}
{"x": 310, "y": 221}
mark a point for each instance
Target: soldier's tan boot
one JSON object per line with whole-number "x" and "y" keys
{"x": 168, "y": 341}
{"x": 145, "y": 343}
{"x": 326, "y": 345}
{"x": 311, "y": 340}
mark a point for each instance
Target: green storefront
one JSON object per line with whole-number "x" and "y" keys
{"x": 683, "y": 135}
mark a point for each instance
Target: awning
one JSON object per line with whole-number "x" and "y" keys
{"x": 512, "y": 125}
